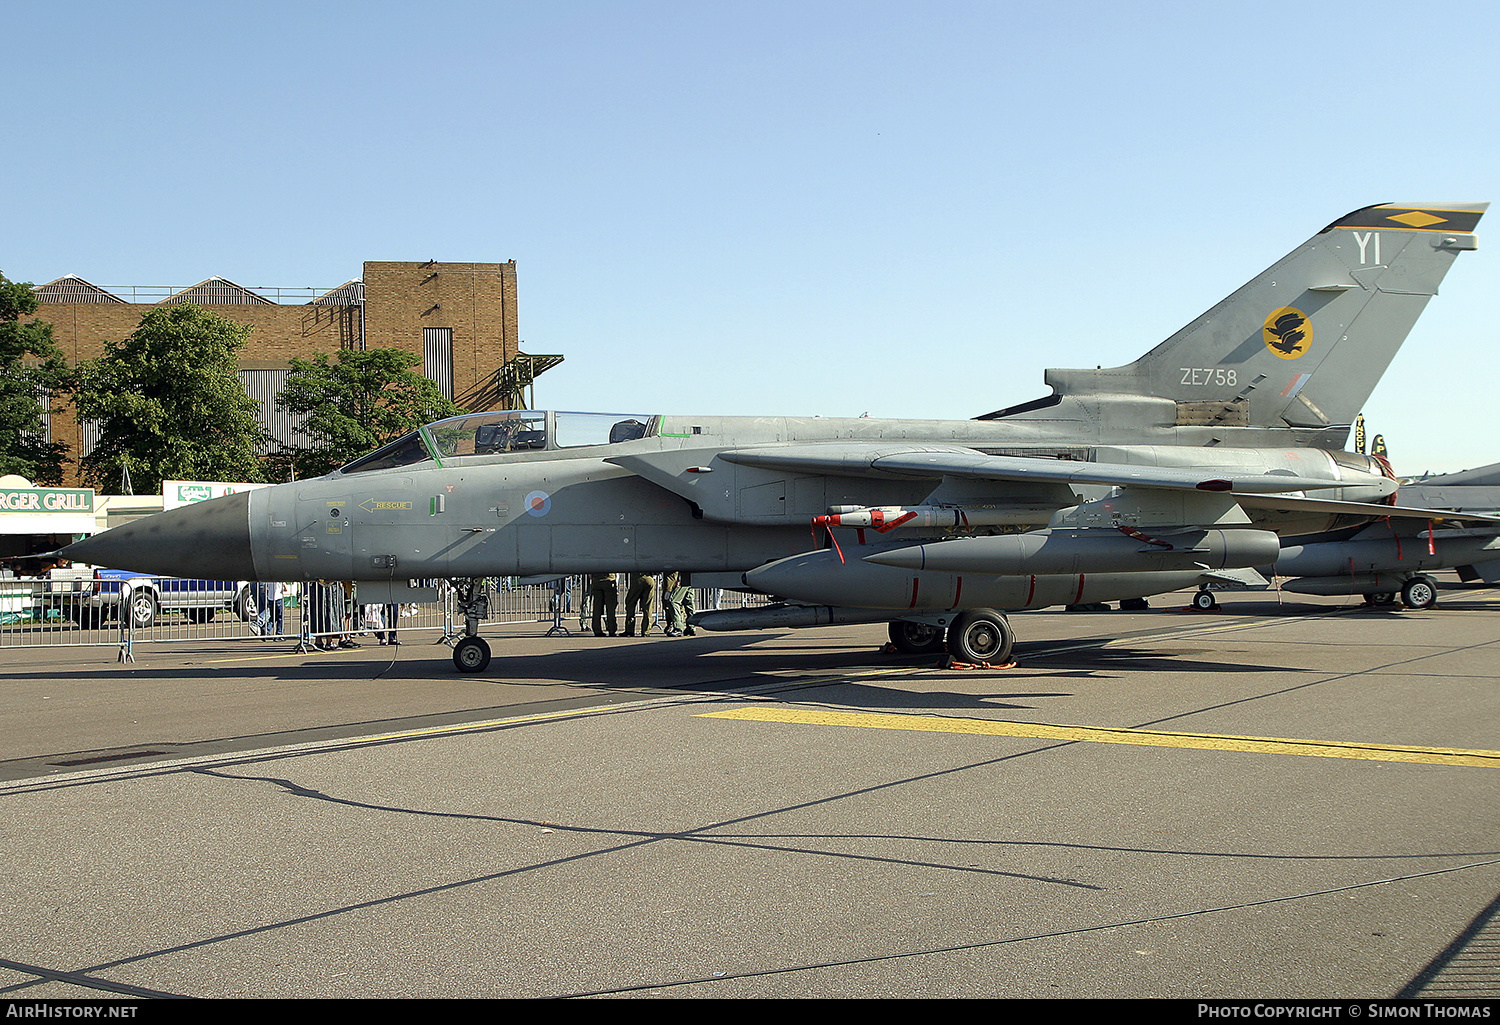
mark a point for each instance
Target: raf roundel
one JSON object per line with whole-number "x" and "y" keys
{"x": 1287, "y": 333}
{"x": 538, "y": 503}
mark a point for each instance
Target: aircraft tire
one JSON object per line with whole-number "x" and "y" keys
{"x": 916, "y": 638}
{"x": 1419, "y": 593}
{"x": 981, "y": 635}
{"x": 1205, "y": 601}
{"x": 1381, "y": 598}
{"x": 471, "y": 655}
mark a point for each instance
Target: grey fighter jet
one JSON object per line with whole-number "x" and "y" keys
{"x": 1390, "y": 559}
{"x": 1185, "y": 464}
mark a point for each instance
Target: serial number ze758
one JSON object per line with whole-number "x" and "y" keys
{"x": 1205, "y": 377}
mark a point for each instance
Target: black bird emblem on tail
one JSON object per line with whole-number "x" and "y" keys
{"x": 1288, "y": 329}
{"x": 1287, "y": 333}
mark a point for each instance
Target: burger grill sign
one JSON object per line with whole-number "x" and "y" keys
{"x": 47, "y": 500}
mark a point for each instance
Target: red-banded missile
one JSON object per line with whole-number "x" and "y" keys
{"x": 889, "y": 517}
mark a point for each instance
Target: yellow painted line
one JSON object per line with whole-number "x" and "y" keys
{"x": 1090, "y": 734}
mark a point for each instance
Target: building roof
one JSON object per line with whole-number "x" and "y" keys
{"x": 217, "y": 291}
{"x": 72, "y": 289}
{"x": 350, "y": 293}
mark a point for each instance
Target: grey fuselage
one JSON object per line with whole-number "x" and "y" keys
{"x": 678, "y": 506}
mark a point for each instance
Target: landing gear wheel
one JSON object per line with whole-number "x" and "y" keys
{"x": 1419, "y": 593}
{"x": 1205, "y": 601}
{"x": 916, "y": 638}
{"x": 471, "y": 655}
{"x": 981, "y": 635}
{"x": 1381, "y": 598}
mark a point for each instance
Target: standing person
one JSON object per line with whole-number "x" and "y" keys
{"x": 677, "y": 598}
{"x": 668, "y": 610}
{"x": 684, "y": 599}
{"x": 382, "y": 619}
{"x": 270, "y": 617}
{"x": 606, "y": 597}
{"x": 562, "y": 595}
{"x": 328, "y": 614}
{"x": 642, "y": 592}
{"x": 317, "y": 613}
{"x": 333, "y": 615}
{"x": 347, "y": 610}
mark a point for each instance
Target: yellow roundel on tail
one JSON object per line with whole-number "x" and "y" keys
{"x": 1287, "y": 333}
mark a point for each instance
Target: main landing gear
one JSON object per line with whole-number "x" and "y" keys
{"x": 978, "y": 635}
{"x": 1419, "y": 592}
{"x": 471, "y": 654}
{"x": 981, "y": 635}
{"x": 911, "y": 638}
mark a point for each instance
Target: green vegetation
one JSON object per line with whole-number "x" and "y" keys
{"x": 32, "y": 374}
{"x": 170, "y": 403}
{"x": 353, "y": 405}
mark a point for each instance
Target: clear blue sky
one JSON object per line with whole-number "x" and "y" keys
{"x": 783, "y": 208}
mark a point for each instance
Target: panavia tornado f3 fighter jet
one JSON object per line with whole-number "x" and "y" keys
{"x": 1183, "y": 467}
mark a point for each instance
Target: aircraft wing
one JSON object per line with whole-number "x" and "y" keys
{"x": 1293, "y": 503}
{"x": 956, "y": 461}
{"x": 779, "y": 484}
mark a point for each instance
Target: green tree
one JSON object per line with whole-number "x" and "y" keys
{"x": 358, "y": 402}
{"x": 32, "y": 374}
{"x": 170, "y": 403}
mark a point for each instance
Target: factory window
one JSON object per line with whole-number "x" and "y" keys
{"x": 437, "y": 357}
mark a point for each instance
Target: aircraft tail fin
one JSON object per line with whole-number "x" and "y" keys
{"x": 1304, "y": 343}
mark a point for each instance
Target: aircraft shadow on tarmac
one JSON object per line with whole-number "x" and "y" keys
{"x": 1110, "y": 661}
{"x": 874, "y": 696}
{"x": 714, "y": 662}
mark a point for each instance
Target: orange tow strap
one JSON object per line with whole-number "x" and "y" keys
{"x": 951, "y": 664}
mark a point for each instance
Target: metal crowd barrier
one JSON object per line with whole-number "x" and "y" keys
{"x": 34, "y": 614}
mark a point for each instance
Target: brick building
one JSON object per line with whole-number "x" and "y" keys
{"x": 459, "y": 317}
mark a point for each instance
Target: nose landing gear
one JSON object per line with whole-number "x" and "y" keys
{"x": 471, "y": 654}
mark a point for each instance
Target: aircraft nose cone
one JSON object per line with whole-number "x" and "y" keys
{"x": 207, "y": 540}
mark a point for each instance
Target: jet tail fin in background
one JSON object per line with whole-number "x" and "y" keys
{"x": 1304, "y": 343}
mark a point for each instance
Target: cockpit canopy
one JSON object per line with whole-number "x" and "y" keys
{"x": 496, "y": 433}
